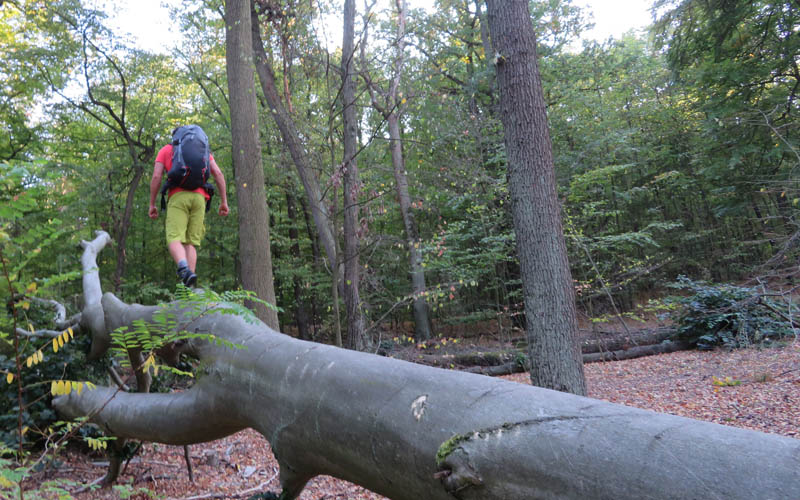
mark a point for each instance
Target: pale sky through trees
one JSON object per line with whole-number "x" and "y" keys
{"x": 615, "y": 17}
{"x": 149, "y": 23}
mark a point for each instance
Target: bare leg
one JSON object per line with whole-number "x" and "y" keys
{"x": 178, "y": 252}
{"x": 191, "y": 255}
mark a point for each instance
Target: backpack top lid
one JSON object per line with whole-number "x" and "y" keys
{"x": 181, "y": 131}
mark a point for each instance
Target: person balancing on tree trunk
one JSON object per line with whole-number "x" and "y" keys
{"x": 188, "y": 162}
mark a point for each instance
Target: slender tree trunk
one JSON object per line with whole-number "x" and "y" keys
{"x": 422, "y": 321}
{"x": 300, "y": 311}
{"x": 356, "y": 336}
{"x": 551, "y": 325}
{"x": 392, "y": 110}
{"x": 312, "y": 236}
{"x": 486, "y": 42}
{"x": 293, "y": 144}
{"x": 124, "y": 226}
{"x": 254, "y": 245}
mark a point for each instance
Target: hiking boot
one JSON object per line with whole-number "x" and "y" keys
{"x": 187, "y": 276}
{"x": 189, "y": 279}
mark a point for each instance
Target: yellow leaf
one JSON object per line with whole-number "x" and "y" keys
{"x": 67, "y": 387}
{"x": 90, "y": 385}
{"x": 25, "y": 429}
{"x": 148, "y": 363}
{"x": 60, "y": 389}
{"x": 65, "y": 337}
{"x": 39, "y": 356}
{"x": 26, "y": 305}
{"x": 155, "y": 370}
{"x": 10, "y": 377}
{"x": 30, "y": 327}
{"x": 71, "y": 333}
{"x": 60, "y": 341}
{"x": 78, "y": 387}
{"x": 31, "y": 287}
{"x": 29, "y": 361}
{"x": 55, "y": 345}
{"x": 53, "y": 388}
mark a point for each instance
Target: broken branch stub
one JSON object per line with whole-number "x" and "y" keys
{"x": 92, "y": 317}
{"x": 408, "y": 431}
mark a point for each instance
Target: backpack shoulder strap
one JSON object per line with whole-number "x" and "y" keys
{"x": 164, "y": 190}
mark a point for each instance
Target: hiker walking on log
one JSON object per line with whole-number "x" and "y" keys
{"x": 188, "y": 162}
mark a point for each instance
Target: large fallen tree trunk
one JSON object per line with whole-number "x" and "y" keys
{"x": 408, "y": 431}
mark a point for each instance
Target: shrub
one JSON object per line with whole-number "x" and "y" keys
{"x": 727, "y": 315}
{"x": 69, "y": 364}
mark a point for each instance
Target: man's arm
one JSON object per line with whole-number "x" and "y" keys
{"x": 155, "y": 185}
{"x": 219, "y": 179}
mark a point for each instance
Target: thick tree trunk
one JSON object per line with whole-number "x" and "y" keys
{"x": 551, "y": 326}
{"x": 380, "y": 423}
{"x": 254, "y": 244}
{"x": 409, "y": 432}
{"x": 356, "y": 335}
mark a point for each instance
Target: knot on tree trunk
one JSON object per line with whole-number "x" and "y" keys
{"x": 457, "y": 473}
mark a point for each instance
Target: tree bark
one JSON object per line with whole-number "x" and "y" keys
{"x": 254, "y": 244}
{"x": 356, "y": 335}
{"x": 551, "y": 325}
{"x": 408, "y": 431}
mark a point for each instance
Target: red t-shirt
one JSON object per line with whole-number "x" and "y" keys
{"x": 165, "y": 157}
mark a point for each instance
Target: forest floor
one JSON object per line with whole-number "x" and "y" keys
{"x": 752, "y": 388}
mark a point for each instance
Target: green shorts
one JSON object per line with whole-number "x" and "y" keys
{"x": 186, "y": 212}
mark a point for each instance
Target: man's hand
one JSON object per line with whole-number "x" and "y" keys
{"x": 154, "y": 212}
{"x": 223, "y": 209}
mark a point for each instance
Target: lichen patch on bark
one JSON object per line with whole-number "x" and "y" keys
{"x": 418, "y": 407}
